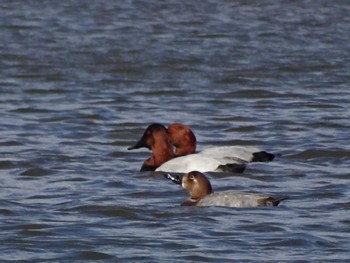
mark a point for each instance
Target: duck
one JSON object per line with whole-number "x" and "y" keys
{"x": 164, "y": 159}
{"x": 182, "y": 138}
{"x": 202, "y": 194}
{"x": 185, "y": 142}
{"x": 156, "y": 139}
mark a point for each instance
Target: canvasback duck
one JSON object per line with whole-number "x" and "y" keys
{"x": 157, "y": 139}
{"x": 185, "y": 142}
{"x": 182, "y": 138}
{"x": 201, "y": 193}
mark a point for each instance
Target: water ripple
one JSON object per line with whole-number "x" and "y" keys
{"x": 81, "y": 81}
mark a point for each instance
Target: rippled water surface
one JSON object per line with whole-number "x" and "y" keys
{"x": 81, "y": 80}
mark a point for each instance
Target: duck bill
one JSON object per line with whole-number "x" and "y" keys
{"x": 140, "y": 144}
{"x": 175, "y": 178}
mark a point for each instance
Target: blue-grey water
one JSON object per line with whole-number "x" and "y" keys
{"x": 81, "y": 80}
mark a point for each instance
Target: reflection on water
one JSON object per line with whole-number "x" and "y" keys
{"x": 80, "y": 82}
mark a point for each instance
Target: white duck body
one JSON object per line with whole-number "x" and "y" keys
{"x": 202, "y": 163}
{"x": 244, "y": 153}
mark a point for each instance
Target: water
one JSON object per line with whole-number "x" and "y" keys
{"x": 80, "y": 81}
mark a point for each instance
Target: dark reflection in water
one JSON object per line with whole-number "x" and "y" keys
{"x": 80, "y": 81}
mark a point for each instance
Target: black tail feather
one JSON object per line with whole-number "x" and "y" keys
{"x": 232, "y": 168}
{"x": 262, "y": 157}
{"x": 271, "y": 201}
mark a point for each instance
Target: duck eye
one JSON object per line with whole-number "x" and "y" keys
{"x": 191, "y": 177}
